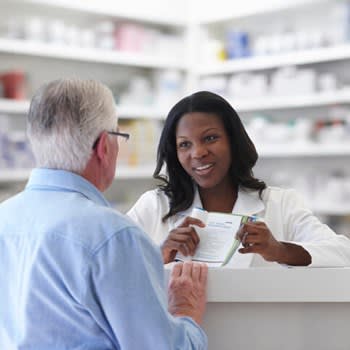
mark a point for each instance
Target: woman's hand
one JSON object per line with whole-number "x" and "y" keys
{"x": 183, "y": 239}
{"x": 256, "y": 237}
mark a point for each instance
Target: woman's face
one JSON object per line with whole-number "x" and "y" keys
{"x": 203, "y": 149}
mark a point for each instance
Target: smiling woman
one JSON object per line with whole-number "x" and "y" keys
{"x": 203, "y": 150}
{"x": 209, "y": 161}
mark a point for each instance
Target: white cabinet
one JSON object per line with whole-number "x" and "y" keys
{"x": 284, "y": 68}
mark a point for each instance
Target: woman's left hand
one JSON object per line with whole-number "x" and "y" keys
{"x": 256, "y": 237}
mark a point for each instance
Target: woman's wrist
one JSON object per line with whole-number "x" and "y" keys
{"x": 293, "y": 254}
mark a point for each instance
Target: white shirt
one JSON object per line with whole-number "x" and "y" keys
{"x": 283, "y": 211}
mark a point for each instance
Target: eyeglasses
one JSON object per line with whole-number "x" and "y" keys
{"x": 124, "y": 135}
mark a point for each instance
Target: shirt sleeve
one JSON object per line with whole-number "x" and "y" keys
{"x": 327, "y": 249}
{"x": 126, "y": 295}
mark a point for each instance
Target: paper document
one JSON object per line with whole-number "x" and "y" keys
{"x": 218, "y": 240}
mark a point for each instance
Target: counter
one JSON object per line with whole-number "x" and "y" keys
{"x": 278, "y": 308}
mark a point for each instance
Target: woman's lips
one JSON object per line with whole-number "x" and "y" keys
{"x": 203, "y": 169}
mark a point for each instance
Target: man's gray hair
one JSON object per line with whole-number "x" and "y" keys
{"x": 65, "y": 119}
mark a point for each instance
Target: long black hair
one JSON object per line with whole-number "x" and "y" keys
{"x": 178, "y": 185}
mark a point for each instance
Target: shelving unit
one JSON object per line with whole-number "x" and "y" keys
{"x": 121, "y": 11}
{"x": 289, "y": 102}
{"x": 123, "y": 173}
{"x": 276, "y": 157}
{"x": 311, "y": 56}
{"x": 43, "y": 61}
{"x": 22, "y": 47}
{"x": 309, "y": 150}
{"x": 124, "y": 112}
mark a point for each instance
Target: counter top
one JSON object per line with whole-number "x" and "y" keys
{"x": 278, "y": 284}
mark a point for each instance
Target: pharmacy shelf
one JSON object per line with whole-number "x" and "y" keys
{"x": 14, "y": 106}
{"x": 122, "y": 172}
{"x": 105, "y": 9}
{"x": 288, "y": 102}
{"x": 258, "y": 8}
{"x": 323, "y": 54}
{"x": 124, "y": 112}
{"x": 132, "y": 59}
{"x": 295, "y": 150}
{"x": 241, "y": 105}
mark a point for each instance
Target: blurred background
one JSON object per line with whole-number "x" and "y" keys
{"x": 283, "y": 65}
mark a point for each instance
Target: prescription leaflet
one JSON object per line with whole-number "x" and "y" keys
{"x": 218, "y": 240}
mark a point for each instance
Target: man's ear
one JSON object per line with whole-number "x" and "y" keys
{"x": 102, "y": 147}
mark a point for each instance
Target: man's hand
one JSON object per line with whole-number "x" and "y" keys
{"x": 187, "y": 291}
{"x": 183, "y": 239}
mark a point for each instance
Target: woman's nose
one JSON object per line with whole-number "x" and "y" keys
{"x": 199, "y": 151}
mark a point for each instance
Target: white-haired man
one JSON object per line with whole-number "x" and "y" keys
{"x": 75, "y": 274}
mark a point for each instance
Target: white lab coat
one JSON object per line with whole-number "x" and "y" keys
{"x": 283, "y": 211}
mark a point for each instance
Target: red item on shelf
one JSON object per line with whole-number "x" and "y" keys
{"x": 13, "y": 84}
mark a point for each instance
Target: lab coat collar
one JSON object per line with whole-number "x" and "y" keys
{"x": 248, "y": 203}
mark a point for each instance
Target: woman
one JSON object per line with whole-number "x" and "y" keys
{"x": 209, "y": 159}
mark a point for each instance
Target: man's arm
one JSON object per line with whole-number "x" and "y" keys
{"x": 128, "y": 299}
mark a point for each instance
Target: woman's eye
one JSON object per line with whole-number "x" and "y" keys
{"x": 183, "y": 144}
{"x": 210, "y": 138}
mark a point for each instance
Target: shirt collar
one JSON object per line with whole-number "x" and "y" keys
{"x": 248, "y": 203}
{"x": 62, "y": 180}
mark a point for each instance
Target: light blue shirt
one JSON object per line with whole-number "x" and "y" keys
{"x": 75, "y": 274}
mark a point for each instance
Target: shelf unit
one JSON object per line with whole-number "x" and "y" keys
{"x": 318, "y": 156}
{"x": 288, "y": 102}
{"x": 123, "y": 173}
{"x": 124, "y": 112}
{"x": 311, "y": 56}
{"x": 119, "y": 11}
{"x": 309, "y": 150}
{"x": 259, "y": 104}
{"x": 23, "y": 47}
{"x": 44, "y": 61}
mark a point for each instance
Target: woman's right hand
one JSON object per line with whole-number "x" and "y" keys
{"x": 183, "y": 239}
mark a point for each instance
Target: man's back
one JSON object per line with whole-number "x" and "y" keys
{"x": 69, "y": 265}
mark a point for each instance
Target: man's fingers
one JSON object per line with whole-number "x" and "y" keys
{"x": 187, "y": 268}
{"x": 177, "y": 270}
{"x": 204, "y": 273}
{"x": 196, "y": 272}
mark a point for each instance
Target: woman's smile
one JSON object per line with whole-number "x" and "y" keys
{"x": 204, "y": 169}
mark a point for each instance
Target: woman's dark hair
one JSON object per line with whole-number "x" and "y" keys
{"x": 178, "y": 185}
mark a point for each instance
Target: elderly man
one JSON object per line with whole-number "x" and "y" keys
{"x": 75, "y": 274}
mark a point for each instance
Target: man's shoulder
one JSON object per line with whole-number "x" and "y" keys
{"x": 87, "y": 223}
{"x": 102, "y": 219}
